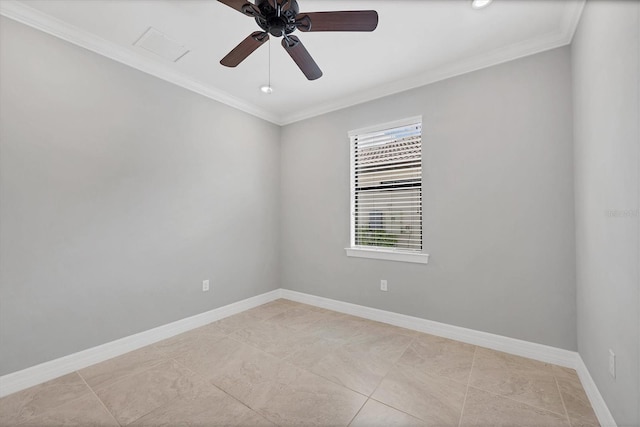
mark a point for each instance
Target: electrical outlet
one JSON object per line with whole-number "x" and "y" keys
{"x": 205, "y": 285}
{"x": 383, "y": 285}
{"x": 612, "y": 363}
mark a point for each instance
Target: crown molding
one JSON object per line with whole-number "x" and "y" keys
{"x": 572, "y": 19}
{"x": 457, "y": 68}
{"x": 24, "y": 14}
{"x": 514, "y": 51}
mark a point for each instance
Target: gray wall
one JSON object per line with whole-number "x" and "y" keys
{"x": 120, "y": 194}
{"x": 605, "y": 67}
{"x": 498, "y": 204}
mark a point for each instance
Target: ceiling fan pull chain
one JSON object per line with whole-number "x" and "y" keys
{"x": 270, "y": 62}
{"x": 280, "y": 18}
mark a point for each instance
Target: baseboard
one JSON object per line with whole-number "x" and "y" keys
{"x": 515, "y": 346}
{"x": 595, "y": 398}
{"x": 46, "y": 371}
{"x": 543, "y": 353}
{"x": 38, "y": 374}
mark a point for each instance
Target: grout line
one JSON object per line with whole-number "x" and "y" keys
{"x": 174, "y": 357}
{"x": 464, "y": 401}
{"x": 46, "y": 371}
{"x": 32, "y": 418}
{"x": 513, "y": 346}
{"x": 399, "y": 410}
{"x": 395, "y": 362}
{"x": 566, "y": 413}
{"x": 166, "y": 359}
{"x": 334, "y": 381}
{"x": 210, "y": 383}
{"x": 331, "y": 380}
{"x": 308, "y": 369}
{"x": 157, "y": 362}
{"x": 258, "y": 320}
{"x": 515, "y": 400}
{"x": 393, "y": 366}
{"x": 97, "y": 397}
{"x": 170, "y": 401}
{"x": 65, "y": 402}
{"x": 282, "y": 360}
{"x": 357, "y": 413}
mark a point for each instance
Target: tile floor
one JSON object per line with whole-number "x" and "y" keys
{"x": 285, "y": 363}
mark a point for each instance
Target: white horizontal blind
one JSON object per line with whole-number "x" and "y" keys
{"x": 386, "y": 198}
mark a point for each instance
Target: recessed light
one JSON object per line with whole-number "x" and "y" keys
{"x": 266, "y": 89}
{"x": 479, "y": 4}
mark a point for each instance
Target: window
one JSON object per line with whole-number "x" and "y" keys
{"x": 386, "y": 192}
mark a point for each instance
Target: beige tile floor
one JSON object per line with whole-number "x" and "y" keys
{"x": 285, "y": 363}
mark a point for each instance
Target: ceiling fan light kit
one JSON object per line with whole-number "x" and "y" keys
{"x": 280, "y": 18}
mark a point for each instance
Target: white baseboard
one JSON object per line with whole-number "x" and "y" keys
{"x": 543, "y": 353}
{"x": 46, "y": 371}
{"x": 515, "y": 346}
{"x": 38, "y": 374}
{"x": 595, "y": 398}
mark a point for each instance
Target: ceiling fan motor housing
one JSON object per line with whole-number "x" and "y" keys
{"x": 278, "y": 25}
{"x": 280, "y": 18}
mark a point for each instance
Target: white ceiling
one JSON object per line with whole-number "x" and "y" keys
{"x": 416, "y": 42}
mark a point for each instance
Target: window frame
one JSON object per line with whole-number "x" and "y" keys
{"x": 376, "y": 252}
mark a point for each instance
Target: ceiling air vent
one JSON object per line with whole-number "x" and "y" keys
{"x": 156, "y": 42}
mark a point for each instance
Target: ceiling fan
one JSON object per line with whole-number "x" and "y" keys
{"x": 280, "y": 18}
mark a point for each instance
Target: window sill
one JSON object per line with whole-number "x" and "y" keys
{"x": 387, "y": 255}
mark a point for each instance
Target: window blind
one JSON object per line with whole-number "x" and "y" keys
{"x": 386, "y": 197}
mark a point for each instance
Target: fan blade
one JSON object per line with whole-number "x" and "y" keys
{"x": 354, "y": 20}
{"x": 235, "y": 4}
{"x": 244, "y": 49}
{"x": 301, "y": 56}
{"x": 243, "y": 6}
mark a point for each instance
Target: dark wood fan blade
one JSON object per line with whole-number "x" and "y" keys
{"x": 235, "y": 4}
{"x": 301, "y": 56}
{"x": 244, "y": 49}
{"x": 354, "y": 20}
{"x": 243, "y": 6}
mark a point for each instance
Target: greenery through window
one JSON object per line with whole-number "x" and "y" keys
{"x": 386, "y": 186}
